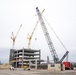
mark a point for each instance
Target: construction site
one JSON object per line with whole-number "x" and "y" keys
{"x": 30, "y": 59}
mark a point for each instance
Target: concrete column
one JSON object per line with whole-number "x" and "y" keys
{"x": 29, "y": 64}
{"x": 39, "y": 55}
{"x": 16, "y": 62}
{"x": 16, "y": 58}
{"x": 22, "y": 57}
{"x": 36, "y": 64}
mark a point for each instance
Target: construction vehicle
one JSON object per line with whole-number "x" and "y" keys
{"x": 30, "y": 36}
{"x": 68, "y": 65}
{"x": 14, "y": 37}
{"x": 48, "y": 39}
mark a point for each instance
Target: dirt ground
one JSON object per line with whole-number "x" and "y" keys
{"x": 36, "y": 72}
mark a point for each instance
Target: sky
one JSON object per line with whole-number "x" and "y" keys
{"x": 60, "y": 14}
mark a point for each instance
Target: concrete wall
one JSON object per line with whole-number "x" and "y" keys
{"x": 56, "y": 67}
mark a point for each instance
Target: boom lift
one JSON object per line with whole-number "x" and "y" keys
{"x": 14, "y": 37}
{"x": 48, "y": 39}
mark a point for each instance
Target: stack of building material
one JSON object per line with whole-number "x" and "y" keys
{"x": 5, "y": 66}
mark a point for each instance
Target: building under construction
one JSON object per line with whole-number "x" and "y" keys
{"x": 29, "y": 57}
{"x": 25, "y": 57}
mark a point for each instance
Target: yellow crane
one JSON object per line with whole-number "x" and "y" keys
{"x": 30, "y": 37}
{"x": 14, "y": 37}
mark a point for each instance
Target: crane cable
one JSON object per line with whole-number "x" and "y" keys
{"x": 57, "y": 37}
{"x": 55, "y": 34}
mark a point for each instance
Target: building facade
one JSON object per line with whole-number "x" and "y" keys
{"x": 22, "y": 57}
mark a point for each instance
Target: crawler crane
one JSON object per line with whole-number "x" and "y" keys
{"x": 48, "y": 39}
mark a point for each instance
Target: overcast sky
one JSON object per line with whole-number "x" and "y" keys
{"x": 60, "y": 14}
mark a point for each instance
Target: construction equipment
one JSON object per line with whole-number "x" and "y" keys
{"x": 14, "y": 37}
{"x": 49, "y": 41}
{"x": 30, "y": 37}
{"x": 59, "y": 40}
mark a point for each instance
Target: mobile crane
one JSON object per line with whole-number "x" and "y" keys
{"x": 48, "y": 39}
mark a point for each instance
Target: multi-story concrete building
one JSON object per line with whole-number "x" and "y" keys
{"x": 22, "y": 57}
